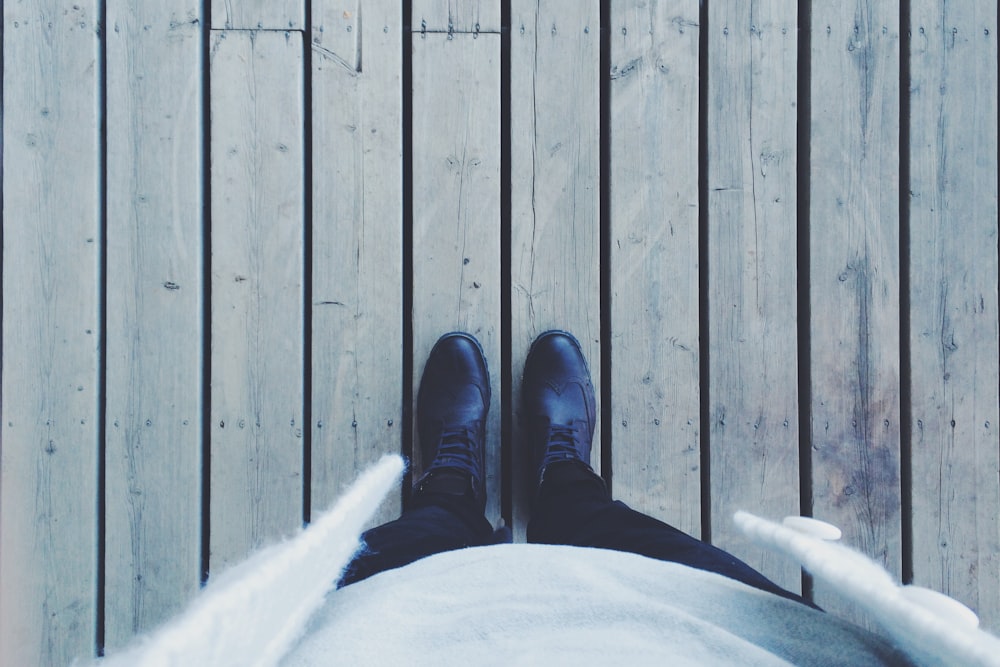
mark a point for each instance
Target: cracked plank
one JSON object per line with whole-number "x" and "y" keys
{"x": 155, "y": 305}
{"x": 258, "y": 14}
{"x": 357, "y": 153}
{"x": 854, "y": 281}
{"x": 257, "y": 299}
{"x": 654, "y": 260}
{"x": 753, "y": 337}
{"x": 953, "y": 297}
{"x": 456, "y": 16}
{"x": 51, "y": 334}
{"x": 338, "y": 28}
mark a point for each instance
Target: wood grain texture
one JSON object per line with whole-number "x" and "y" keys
{"x": 854, "y": 282}
{"x": 454, "y": 16}
{"x": 752, "y": 291}
{"x": 357, "y": 362}
{"x": 953, "y": 297}
{"x": 154, "y": 306}
{"x": 259, "y": 14}
{"x": 257, "y": 278}
{"x": 555, "y": 197}
{"x": 51, "y": 333}
{"x": 337, "y": 31}
{"x": 656, "y": 456}
{"x": 456, "y": 211}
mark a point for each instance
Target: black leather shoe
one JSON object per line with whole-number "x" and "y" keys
{"x": 452, "y": 404}
{"x": 559, "y": 409}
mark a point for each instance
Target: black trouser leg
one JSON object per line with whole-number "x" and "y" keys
{"x": 573, "y": 507}
{"x": 436, "y": 522}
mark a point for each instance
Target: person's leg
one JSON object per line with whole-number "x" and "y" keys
{"x": 446, "y": 511}
{"x": 436, "y": 522}
{"x": 573, "y": 507}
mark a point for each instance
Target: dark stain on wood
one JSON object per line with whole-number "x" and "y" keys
{"x": 864, "y": 465}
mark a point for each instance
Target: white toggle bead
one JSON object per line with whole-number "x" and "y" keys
{"x": 940, "y": 604}
{"x": 812, "y": 527}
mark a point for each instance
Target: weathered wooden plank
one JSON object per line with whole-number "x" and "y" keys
{"x": 154, "y": 305}
{"x": 854, "y": 281}
{"x": 336, "y": 37}
{"x": 455, "y": 16}
{"x": 456, "y": 210}
{"x": 357, "y": 293}
{"x": 257, "y": 285}
{"x": 752, "y": 296}
{"x": 953, "y": 296}
{"x": 51, "y": 333}
{"x": 654, "y": 259}
{"x": 258, "y": 14}
{"x": 555, "y": 197}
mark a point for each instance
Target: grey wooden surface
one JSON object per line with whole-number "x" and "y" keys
{"x": 51, "y": 364}
{"x": 854, "y": 274}
{"x": 753, "y": 303}
{"x": 777, "y": 246}
{"x": 155, "y": 293}
{"x": 953, "y": 317}
{"x": 456, "y": 16}
{"x": 357, "y": 303}
{"x": 655, "y": 351}
{"x": 258, "y": 273}
{"x": 258, "y": 14}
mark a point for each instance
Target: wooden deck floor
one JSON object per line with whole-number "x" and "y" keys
{"x": 232, "y": 232}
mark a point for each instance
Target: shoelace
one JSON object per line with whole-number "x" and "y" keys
{"x": 563, "y": 443}
{"x": 458, "y": 449}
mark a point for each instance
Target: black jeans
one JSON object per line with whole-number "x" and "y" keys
{"x": 571, "y": 508}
